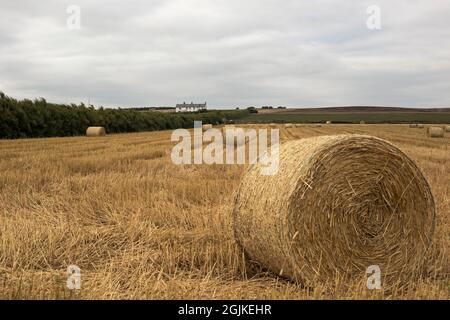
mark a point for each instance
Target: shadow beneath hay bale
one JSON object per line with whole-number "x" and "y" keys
{"x": 253, "y": 270}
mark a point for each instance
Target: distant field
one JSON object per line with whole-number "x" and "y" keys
{"x": 368, "y": 117}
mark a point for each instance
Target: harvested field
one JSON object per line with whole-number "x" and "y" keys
{"x": 140, "y": 227}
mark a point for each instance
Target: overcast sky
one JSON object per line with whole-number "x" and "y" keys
{"x": 227, "y": 52}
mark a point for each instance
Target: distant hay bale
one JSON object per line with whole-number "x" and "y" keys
{"x": 318, "y": 125}
{"x": 447, "y": 128}
{"x": 95, "y": 131}
{"x": 362, "y": 122}
{"x": 328, "y": 122}
{"x": 298, "y": 125}
{"x": 288, "y": 125}
{"x": 231, "y": 127}
{"x": 413, "y": 125}
{"x": 337, "y": 205}
{"x": 420, "y": 126}
{"x": 206, "y": 127}
{"x": 435, "y": 132}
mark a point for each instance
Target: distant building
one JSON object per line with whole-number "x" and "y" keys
{"x": 190, "y": 107}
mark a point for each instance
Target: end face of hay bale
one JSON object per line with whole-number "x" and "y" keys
{"x": 328, "y": 122}
{"x": 95, "y": 131}
{"x": 435, "y": 132}
{"x": 447, "y": 128}
{"x": 337, "y": 205}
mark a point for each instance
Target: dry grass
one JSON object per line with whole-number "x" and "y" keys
{"x": 140, "y": 227}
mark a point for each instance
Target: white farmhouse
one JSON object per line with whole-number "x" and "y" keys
{"x": 190, "y": 107}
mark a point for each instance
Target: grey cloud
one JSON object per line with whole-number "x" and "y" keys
{"x": 229, "y": 53}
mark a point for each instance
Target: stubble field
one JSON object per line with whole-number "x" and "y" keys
{"x": 140, "y": 227}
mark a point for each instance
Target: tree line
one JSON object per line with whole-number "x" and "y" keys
{"x": 39, "y": 118}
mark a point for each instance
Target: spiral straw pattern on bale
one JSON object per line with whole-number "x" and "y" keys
{"x": 337, "y": 205}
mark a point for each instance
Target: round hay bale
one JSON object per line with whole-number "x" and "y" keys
{"x": 447, "y": 128}
{"x": 206, "y": 127}
{"x": 435, "y": 132}
{"x": 420, "y": 125}
{"x": 95, "y": 131}
{"x": 413, "y": 125}
{"x": 362, "y": 122}
{"x": 226, "y": 127}
{"x": 337, "y": 205}
{"x": 328, "y": 122}
{"x": 288, "y": 125}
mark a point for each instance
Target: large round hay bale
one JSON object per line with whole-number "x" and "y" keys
{"x": 95, "y": 131}
{"x": 288, "y": 125}
{"x": 328, "y": 122}
{"x": 420, "y": 125}
{"x": 435, "y": 132}
{"x": 337, "y": 205}
{"x": 447, "y": 128}
{"x": 413, "y": 125}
